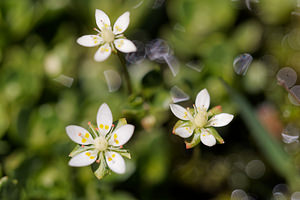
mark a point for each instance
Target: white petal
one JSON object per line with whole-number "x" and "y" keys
{"x": 102, "y": 53}
{"x": 102, "y": 20}
{"x": 220, "y": 120}
{"x": 89, "y": 40}
{"x": 83, "y": 159}
{"x": 184, "y": 132}
{"x": 104, "y": 118}
{"x": 122, "y": 23}
{"x": 124, "y": 45}
{"x": 115, "y": 162}
{"x": 180, "y": 112}
{"x": 121, "y": 135}
{"x": 207, "y": 138}
{"x": 202, "y": 99}
{"x": 79, "y": 135}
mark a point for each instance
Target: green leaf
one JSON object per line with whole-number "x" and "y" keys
{"x": 78, "y": 149}
{"x": 126, "y": 154}
{"x": 120, "y": 123}
{"x": 102, "y": 170}
{"x": 181, "y": 123}
{"x": 123, "y": 152}
{"x": 194, "y": 141}
{"x": 214, "y": 111}
{"x": 215, "y": 133}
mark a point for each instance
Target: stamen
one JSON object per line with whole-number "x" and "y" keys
{"x": 121, "y": 146}
{"x": 97, "y": 161}
{"x": 93, "y": 129}
{"x": 95, "y": 29}
{"x": 82, "y": 146}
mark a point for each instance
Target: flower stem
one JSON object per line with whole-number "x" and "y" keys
{"x": 126, "y": 74}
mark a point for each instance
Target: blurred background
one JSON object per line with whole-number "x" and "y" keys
{"x": 48, "y": 81}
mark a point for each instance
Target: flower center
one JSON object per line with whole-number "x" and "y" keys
{"x": 101, "y": 143}
{"x": 201, "y": 119}
{"x": 108, "y": 35}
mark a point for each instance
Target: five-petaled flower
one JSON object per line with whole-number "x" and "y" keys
{"x": 108, "y": 38}
{"x": 199, "y": 121}
{"x": 104, "y": 143}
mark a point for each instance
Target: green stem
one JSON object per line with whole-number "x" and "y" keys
{"x": 126, "y": 74}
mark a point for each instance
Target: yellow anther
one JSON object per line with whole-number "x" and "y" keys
{"x": 115, "y": 136}
{"x": 106, "y": 25}
{"x": 106, "y": 50}
{"x": 87, "y": 135}
{"x": 109, "y": 159}
{"x": 117, "y": 141}
{"x": 113, "y": 155}
{"x": 92, "y": 157}
{"x": 83, "y": 140}
{"x": 187, "y": 128}
{"x": 118, "y": 28}
{"x": 106, "y": 127}
{"x": 88, "y": 153}
{"x": 101, "y": 126}
{"x": 95, "y": 41}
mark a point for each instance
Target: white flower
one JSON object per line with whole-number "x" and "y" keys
{"x": 105, "y": 142}
{"x": 199, "y": 119}
{"x": 107, "y": 38}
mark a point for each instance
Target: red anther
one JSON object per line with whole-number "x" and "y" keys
{"x": 82, "y": 145}
{"x": 113, "y": 125}
{"x": 121, "y": 146}
{"x": 97, "y": 161}
{"x": 79, "y": 134}
{"x": 97, "y": 129}
{"x": 89, "y": 123}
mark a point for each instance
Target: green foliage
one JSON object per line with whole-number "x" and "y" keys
{"x": 38, "y": 44}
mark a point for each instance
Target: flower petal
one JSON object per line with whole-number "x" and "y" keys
{"x": 124, "y": 45}
{"x": 83, "y": 159}
{"x": 104, "y": 119}
{"x": 89, "y": 40}
{"x": 102, "y": 20}
{"x": 102, "y": 53}
{"x": 220, "y": 120}
{"x": 180, "y": 112}
{"x": 121, "y": 135}
{"x": 79, "y": 135}
{"x": 184, "y": 132}
{"x": 202, "y": 100}
{"x": 115, "y": 162}
{"x": 207, "y": 138}
{"x": 122, "y": 23}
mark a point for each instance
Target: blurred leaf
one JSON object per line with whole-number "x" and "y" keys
{"x": 272, "y": 150}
